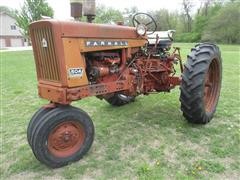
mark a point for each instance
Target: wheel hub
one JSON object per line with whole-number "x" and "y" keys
{"x": 212, "y": 86}
{"x": 66, "y": 139}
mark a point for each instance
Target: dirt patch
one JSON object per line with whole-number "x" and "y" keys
{"x": 198, "y": 148}
{"x": 170, "y": 155}
{"x": 233, "y": 175}
{"x": 127, "y": 151}
{"x": 91, "y": 175}
{"x": 156, "y": 143}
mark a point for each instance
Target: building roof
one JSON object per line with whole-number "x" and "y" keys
{"x": 7, "y": 13}
{"x": 7, "y": 21}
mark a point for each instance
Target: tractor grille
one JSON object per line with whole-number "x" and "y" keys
{"x": 45, "y": 58}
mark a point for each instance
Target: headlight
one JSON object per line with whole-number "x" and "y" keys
{"x": 141, "y": 30}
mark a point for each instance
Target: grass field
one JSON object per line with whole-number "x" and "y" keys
{"x": 148, "y": 139}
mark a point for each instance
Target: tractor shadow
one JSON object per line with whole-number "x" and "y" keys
{"x": 148, "y": 114}
{"x": 146, "y": 110}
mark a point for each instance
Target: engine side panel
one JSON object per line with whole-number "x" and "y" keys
{"x": 76, "y": 48}
{"x": 76, "y": 60}
{"x": 75, "y": 63}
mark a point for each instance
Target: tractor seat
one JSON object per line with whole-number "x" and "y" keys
{"x": 164, "y": 38}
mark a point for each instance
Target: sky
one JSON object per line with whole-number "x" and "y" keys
{"x": 62, "y": 7}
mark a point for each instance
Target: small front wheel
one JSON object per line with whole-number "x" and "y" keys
{"x": 64, "y": 135}
{"x": 36, "y": 118}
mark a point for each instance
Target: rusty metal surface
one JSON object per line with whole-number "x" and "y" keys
{"x": 66, "y": 49}
{"x": 212, "y": 86}
{"x": 66, "y": 139}
{"x": 55, "y": 54}
{"x": 45, "y": 50}
{"x": 74, "y": 59}
{"x": 76, "y": 9}
{"x": 87, "y": 30}
{"x": 67, "y": 95}
{"x": 60, "y": 54}
{"x": 52, "y": 93}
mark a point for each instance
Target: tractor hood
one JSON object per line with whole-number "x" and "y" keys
{"x": 88, "y": 30}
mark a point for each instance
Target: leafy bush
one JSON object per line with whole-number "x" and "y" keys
{"x": 224, "y": 27}
{"x": 188, "y": 37}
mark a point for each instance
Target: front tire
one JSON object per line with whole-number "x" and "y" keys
{"x": 201, "y": 83}
{"x": 63, "y": 135}
{"x": 34, "y": 120}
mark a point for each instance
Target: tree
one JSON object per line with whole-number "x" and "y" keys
{"x": 187, "y": 8}
{"x": 224, "y": 26}
{"x": 207, "y": 10}
{"x": 8, "y": 10}
{"x": 106, "y": 15}
{"x": 206, "y": 3}
{"x": 32, "y": 10}
{"x": 164, "y": 19}
{"x": 128, "y": 15}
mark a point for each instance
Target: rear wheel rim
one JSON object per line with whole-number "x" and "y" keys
{"x": 212, "y": 86}
{"x": 66, "y": 139}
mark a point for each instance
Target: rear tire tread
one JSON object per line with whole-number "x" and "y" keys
{"x": 193, "y": 79}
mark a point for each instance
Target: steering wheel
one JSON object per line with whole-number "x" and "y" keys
{"x": 152, "y": 21}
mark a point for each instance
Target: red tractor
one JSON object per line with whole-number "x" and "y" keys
{"x": 75, "y": 60}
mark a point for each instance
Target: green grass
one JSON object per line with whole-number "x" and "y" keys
{"x": 147, "y": 139}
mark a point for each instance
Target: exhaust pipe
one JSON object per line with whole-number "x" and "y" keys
{"x": 89, "y": 10}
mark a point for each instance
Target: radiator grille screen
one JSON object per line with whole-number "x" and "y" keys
{"x": 46, "y": 61}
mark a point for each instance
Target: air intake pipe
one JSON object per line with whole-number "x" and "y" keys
{"x": 76, "y": 9}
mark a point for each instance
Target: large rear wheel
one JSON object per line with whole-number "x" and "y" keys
{"x": 61, "y": 136}
{"x": 201, "y": 83}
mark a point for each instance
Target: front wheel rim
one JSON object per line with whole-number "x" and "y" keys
{"x": 66, "y": 139}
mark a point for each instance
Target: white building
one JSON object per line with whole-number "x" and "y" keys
{"x": 10, "y": 35}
